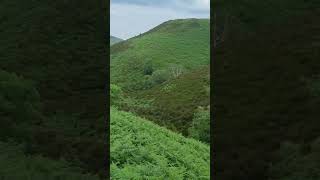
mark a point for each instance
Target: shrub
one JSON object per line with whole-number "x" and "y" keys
{"x": 200, "y": 128}
{"x": 116, "y": 94}
{"x": 160, "y": 76}
{"x": 148, "y": 68}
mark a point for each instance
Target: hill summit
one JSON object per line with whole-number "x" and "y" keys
{"x": 114, "y": 40}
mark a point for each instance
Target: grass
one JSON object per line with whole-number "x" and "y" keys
{"x": 141, "y": 149}
{"x": 184, "y": 42}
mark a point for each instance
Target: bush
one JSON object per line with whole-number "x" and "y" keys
{"x": 159, "y": 77}
{"x": 200, "y": 128}
{"x": 116, "y": 94}
{"x": 148, "y": 68}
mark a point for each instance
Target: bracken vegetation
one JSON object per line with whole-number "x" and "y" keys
{"x": 141, "y": 149}
{"x": 167, "y": 66}
{"x": 160, "y": 93}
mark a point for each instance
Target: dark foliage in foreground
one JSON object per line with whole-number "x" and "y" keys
{"x": 262, "y": 87}
{"x": 52, "y": 84}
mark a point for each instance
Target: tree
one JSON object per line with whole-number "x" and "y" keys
{"x": 160, "y": 76}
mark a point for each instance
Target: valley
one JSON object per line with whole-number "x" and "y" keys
{"x": 162, "y": 78}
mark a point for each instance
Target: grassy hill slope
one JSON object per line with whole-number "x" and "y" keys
{"x": 167, "y": 66}
{"x": 143, "y": 150}
{"x": 184, "y": 42}
{"x": 114, "y": 40}
{"x": 174, "y": 102}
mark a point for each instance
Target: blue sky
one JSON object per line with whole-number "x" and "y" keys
{"x": 132, "y": 17}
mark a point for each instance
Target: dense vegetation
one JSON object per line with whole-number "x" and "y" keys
{"x": 143, "y": 150}
{"x": 52, "y": 88}
{"x": 114, "y": 40}
{"x": 16, "y": 165}
{"x": 163, "y": 76}
{"x": 165, "y": 71}
{"x": 266, "y": 93}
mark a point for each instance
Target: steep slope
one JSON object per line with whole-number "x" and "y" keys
{"x": 174, "y": 102}
{"x": 114, "y": 40}
{"x": 167, "y": 66}
{"x": 184, "y": 43}
{"x": 143, "y": 150}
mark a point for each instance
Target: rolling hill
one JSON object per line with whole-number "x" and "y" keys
{"x": 114, "y": 40}
{"x": 160, "y": 77}
{"x": 168, "y": 65}
{"x": 184, "y": 42}
{"x": 142, "y": 150}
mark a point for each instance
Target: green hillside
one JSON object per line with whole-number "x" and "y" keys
{"x": 175, "y": 102}
{"x": 168, "y": 67}
{"x": 143, "y": 150}
{"x": 114, "y": 40}
{"x": 184, "y": 43}
{"x": 162, "y": 76}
